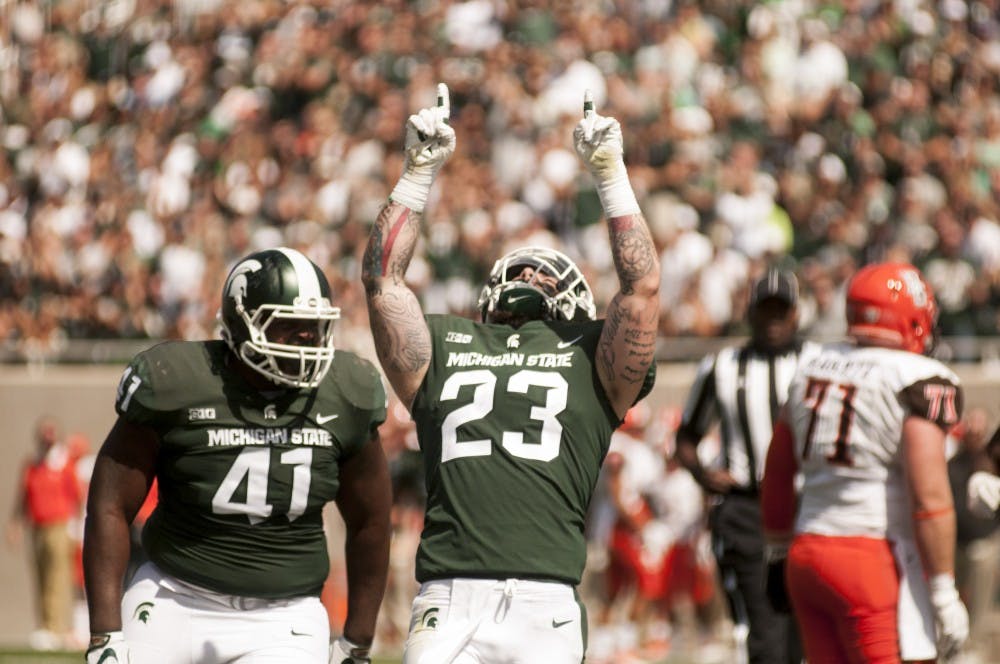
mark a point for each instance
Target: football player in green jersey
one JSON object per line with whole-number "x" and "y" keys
{"x": 249, "y": 438}
{"x": 514, "y": 413}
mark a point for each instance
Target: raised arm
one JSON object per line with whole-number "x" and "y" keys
{"x": 628, "y": 341}
{"x": 402, "y": 340}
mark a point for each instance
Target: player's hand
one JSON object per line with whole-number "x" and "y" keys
{"x": 598, "y": 142}
{"x": 950, "y": 615}
{"x": 775, "y": 586}
{"x": 343, "y": 651}
{"x": 430, "y": 141}
{"x": 984, "y": 494}
{"x": 108, "y": 648}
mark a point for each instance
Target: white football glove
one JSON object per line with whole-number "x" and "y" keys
{"x": 950, "y": 615}
{"x": 984, "y": 494}
{"x": 343, "y": 651}
{"x": 108, "y": 648}
{"x": 598, "y": 142}
{"x": 429, "y": 143}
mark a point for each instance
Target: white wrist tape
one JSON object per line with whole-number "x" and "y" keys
{"x": 943, "y": 591}
{"x": 412, "y": 189}
{"x": 615, "y": 192}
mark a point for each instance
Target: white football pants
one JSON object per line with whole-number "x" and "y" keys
{"x": 167, "y": 621}
{"x": 489, "y": 621}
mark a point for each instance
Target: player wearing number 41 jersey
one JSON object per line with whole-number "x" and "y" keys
{"x": 514, "y": 413}
{"x": 248, "y": 439}
{"x": 870, "y": 569}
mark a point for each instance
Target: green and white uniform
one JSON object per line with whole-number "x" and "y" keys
{"x": 513, "y": 425}
{"x": 244, "y": 475}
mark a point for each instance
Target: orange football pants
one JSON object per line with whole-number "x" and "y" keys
{"x": 844, "y": 591}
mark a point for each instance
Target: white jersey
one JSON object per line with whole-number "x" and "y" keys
{"x": 846, "y": 407}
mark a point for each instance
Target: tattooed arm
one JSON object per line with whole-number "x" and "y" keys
{"x": 402, "y": 340}
{"x": 628, "y": 341}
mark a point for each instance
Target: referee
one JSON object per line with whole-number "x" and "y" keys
{"x": 743, "y": 387}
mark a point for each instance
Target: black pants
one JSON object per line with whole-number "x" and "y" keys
{"x": 739, "y": 550}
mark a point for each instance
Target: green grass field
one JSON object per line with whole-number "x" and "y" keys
{"x": 14, "y": 656}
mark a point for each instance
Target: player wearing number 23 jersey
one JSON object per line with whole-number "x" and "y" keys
{"x": 864, "y": 424}
{"x": 249, "y": 438}
{"x": 514, "y": 412}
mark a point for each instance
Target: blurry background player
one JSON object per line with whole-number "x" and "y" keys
{"x": 977, "y": 546}
{"x": 742, "y": 387}
{"x": 637, "y": 547}
{"x": 48, "y": 500}
{"x": 870, "y": 571}
{"x": 657, "y": 585}
{"x": 248, "y": 438}
{"x": 514, "y": 414}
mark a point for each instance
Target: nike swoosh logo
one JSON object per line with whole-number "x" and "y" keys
{"x": 323, "y": 419}
{"x": 516, "y": 298}
{"x": 559, "y": 624}
{"x": 567, "y": 344}
{"x": 108, "y": 655}
{"x": 295, "y": 633}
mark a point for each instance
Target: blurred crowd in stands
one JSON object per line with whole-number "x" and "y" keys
{"x": 144, "y": 144}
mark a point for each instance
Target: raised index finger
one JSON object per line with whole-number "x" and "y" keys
{"x": 589, "y": 116}
{"x": 443, "y": 101}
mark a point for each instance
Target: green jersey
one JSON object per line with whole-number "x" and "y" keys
{"x": 243, "y": 475}
{"x": 513, "y": 425}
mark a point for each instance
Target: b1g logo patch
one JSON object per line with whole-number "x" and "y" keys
{"x": 195, "y": 414}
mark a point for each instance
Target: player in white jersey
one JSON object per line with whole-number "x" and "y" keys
{"x": 870, "y": 571}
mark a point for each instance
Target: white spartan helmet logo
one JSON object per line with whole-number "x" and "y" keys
{"x": 270, "y": 412}
{"x": 514, "y": 341}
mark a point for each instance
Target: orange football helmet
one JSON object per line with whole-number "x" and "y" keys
{"x": 890, "y": 304}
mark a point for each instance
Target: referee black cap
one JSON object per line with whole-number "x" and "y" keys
{"x": 777, "y": 284}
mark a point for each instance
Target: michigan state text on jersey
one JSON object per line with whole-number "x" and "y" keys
{"x": 244, "y": 475}
{"x": 514, "y": 413}
{"x": 248, "y": 439}
{"x": 513, "y": 428}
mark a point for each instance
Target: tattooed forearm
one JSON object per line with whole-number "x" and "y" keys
{"x": 606, "y": 346}
{"x": 402, "y": 339}
{"x": 400, "y": 333}
{"x": 628, "y": 344}
{"x": 390, "y": 246}
{"x": 627, "y": 347}
{"x": 633, "y": 250}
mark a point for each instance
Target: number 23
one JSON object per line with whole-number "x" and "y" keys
{"x": 482, "y": 404}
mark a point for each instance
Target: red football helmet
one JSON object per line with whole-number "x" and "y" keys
{"x": 890, "y": 304}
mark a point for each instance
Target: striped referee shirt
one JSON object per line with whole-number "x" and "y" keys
{"x": 742, "y": 388}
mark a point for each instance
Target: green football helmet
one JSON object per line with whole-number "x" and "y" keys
{"x": 268, "y": 293}
{"x": 506, "y": 291}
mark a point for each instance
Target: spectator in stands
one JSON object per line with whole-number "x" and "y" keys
{"x": 143, "y": 150}
{"x": 48, "y": 500}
